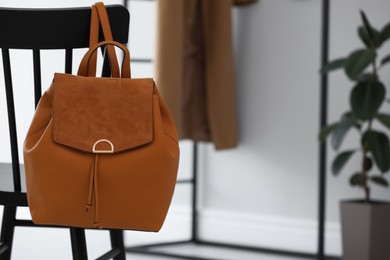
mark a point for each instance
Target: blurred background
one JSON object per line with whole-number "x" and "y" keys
{"x": 264, "y": 193}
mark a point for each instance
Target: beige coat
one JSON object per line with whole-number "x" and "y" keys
{"x": 194, "y": 68}
{"x": 244, "y": 2}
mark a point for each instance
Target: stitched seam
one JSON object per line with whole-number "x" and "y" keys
{"x": 36, "y": 131}
{"x": 174, "y": 139}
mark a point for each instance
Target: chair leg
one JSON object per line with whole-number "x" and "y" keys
{"x": 117, "y": 242}
{"x": 7, "y": 231}
{"x": 79, "y": 246}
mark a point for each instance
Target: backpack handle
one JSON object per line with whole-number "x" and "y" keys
{"x": 84, "y": 64}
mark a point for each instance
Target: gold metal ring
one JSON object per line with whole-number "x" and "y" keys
{"x": 103, "y": 151}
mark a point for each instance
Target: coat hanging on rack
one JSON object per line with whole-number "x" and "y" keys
{"x": 244, "y": 2}
{"x": 194, "y": 68}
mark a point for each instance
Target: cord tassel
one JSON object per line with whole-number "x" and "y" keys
{"x": 90, "y": 193}
{"x": 95, "y": 184}
{"x": 93, "y": 189}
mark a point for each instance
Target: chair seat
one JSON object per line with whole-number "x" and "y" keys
{"x": 8, "y": 197}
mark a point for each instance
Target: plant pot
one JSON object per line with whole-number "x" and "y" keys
{"x": 365, "y": 230}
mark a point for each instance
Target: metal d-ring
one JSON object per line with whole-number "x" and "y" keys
{"x": 103, "y": 151}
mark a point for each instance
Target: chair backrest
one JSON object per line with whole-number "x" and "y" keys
{"x": 39, "y": 29}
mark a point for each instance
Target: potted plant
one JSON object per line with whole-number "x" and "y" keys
{"x": 366, "y": 222}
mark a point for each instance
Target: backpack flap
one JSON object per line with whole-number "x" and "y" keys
{"x": 102, "y": 115}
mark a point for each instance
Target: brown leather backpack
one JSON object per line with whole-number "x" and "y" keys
{"x": 101, "y": 152}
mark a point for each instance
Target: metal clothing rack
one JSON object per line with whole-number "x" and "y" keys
{"x": 152, "y": 249}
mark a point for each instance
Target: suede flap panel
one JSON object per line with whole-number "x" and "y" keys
{"x": 88, "y": 109}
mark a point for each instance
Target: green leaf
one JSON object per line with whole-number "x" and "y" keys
{"x": 358, "y": 61}
{"x": 347, "y": 121}
{"x": 379, "y": 180}
{"x": 378, "y": 144}
{"x": 366, "y": 98}
{"x": 385, "y": 60}
{"x": 340, "y": 160}
{"x": 363, "y": 34}
{"x": 367, "y": 26}
{"x": 384, "y": 119}
{"x": 356, "y": 179}
{"x": 333, "y": 65}
{"x": 325, "y": 131}
{"x": 385, "y": 32}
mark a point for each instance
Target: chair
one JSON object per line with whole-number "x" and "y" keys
{"x": 37, "y": 29}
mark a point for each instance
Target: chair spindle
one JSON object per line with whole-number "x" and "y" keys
{"x": 11, "y": 119}
{"x": 68, "y": 61}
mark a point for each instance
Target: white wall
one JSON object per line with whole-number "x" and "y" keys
{"x": 264, "y": 193}
{"x": 273, "y": 173}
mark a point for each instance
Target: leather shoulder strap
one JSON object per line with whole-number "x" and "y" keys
{"x": 99, "y": 16}
{"x": 93, "y": 37}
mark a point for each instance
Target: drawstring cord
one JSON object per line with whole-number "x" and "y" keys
{"x": 93, "y": 189}
{"x": 91, "y": 177}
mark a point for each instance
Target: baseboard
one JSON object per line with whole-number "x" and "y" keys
{"x": 272, "y": 232}
{"x": 177, "y": 227}
{"x": 265, "y": 231}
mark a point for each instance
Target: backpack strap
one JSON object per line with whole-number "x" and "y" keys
{"x": 99, "y": 16}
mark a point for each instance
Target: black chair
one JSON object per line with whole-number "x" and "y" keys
{"x": 38, "y": 29}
